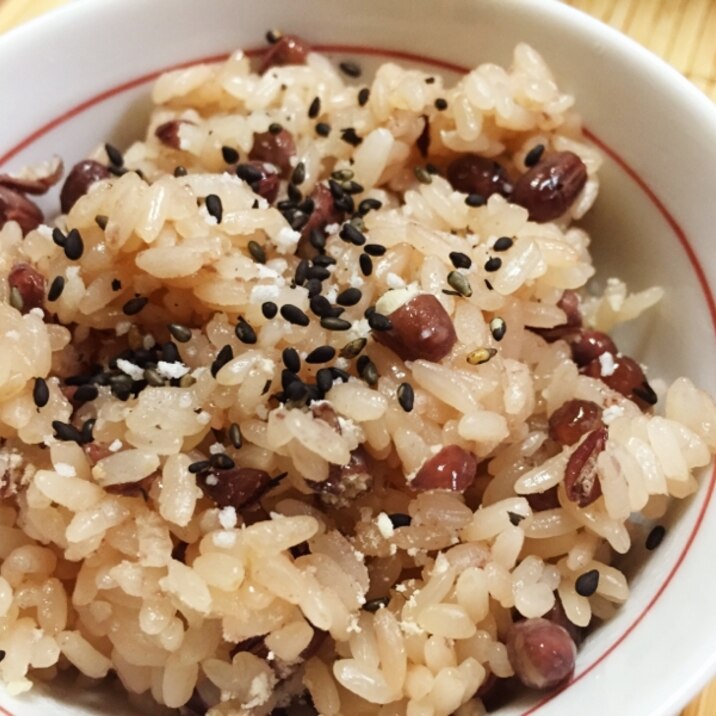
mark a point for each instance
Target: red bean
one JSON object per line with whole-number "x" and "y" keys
{"x": 472, "y": 174}
{"x": 236, "y": 488}
{"x": 15, "y": 206}
{"x": 580, "y": 476}
{"x": 627, "y": 378}
{"x": 345, "y": 482}
{"x": 81, "y": 177}
{"x": 168, "y": 133}
{"x": 274, "y": 148}
{"x": 569, "y": 303}
{"x": 573, "y": 419}
{"x": 288, "y": 50}
{"x": 324, "y": 213}
{"x": 550, "y": 188}
{"x": 453, "y": 468}
{"x": 39, "y": 184}
{"x": 541, "y": 653}
{"x": 30, "y": 283}
{"x": 546, "y": 500}
{"x": 558, "y": 616}
{"x": 588, "y": 345}
{"x": 421, "y": 328}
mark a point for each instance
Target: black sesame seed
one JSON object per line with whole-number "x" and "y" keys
{"x": 222, "y": 358}
{"x": 235, "y": 435}
{"x": 367, "y": 370}
{"x": 373, "y": 605}
{"x": 58, "y": 237}
{"x": 293, "y": 314}
{"x": 87, "y": 429}
{"x": 586, "y": 584}
{"x": 374, "y": 249}
{"x": 321, "y": 273}
{"x": 74, "y": 246}
{"x": 244, "y": 332}
{"x": 324, "y": 379}
{"x": 322, "y": 354}
{"x": 655, "y": 537}
{"x": 296, "y": 391}
{"x": 180, "y": 171}
{"x": 298, "y": 175}
{"x": 503, "y": 243}
{"x": 66, "y": 432}
{"x": 301, "y": 272}
{"x": 221, "y": 461}
{"x": 423, "y": 175}
{"x": 116, "y": 284}
{"x": 332, "y": 323}
{"x": 40, "y": 393}
{"x": 429, "y": 80}
{"x": 400, "y": 519}
{"x": 230, "y": 155}
{"x": 534, "y": 155}
{"x": 646, "y": 393}
{"x": 294, "y": 193}
{"x": 273, "y": 36}
{"x": 288, "y": 377}
{"x": 350, "y": 68}
{"x": 134, "y": 305}
{"x": 493, "y": 264}
{"x": 366, "y": 264}
{"x": 345, "y": 203}
{"x": 179, "y": 333}
{"x": 269, "y": 309}
{"x": 2, "y": 654}
{"x": 379, "y": 322}
{"x": 460, "y": 260}
{"x": 363, "y": 96}
{"x": 116, "y": 171}
{"x": 170, "y": 352}
{"x": 86, "y": 393}
{"x": 258, "y": 254}
{"x": 488, "y": 285}
{"x": 313, "y": 287}
{"x": 214, "y": 207}
{"x": 475, "y": 200}
{"x": 369, "y": 204}
{"x": 324, "y": 260}
{"x": 321, "y": 306}
{"x": 275, "y": 128}
{"x": 323, "y": 129}
{"x": 515, "y": 518}
{"x": 314, "y": 108}
{"x": 441, "y": 104}
{"x": 352, "y": 187}
{"x": 498, "y": 328}
{"x": 340, "y": 374}
{"x": 350, "y": 234}
{"x": 459, "y": 283}
{"x": 114, "y": 155}
{"x": 101, "y": 220}
{"x": 56, "y": 288}
{"x": 153, "y": 377}
{"x": 353, "y": 348}
{"x": 291, "y": 359}
{"x": 406, "y": 396}
{"x": 248, "y": 173}
{"x": 349, "y": 136}
{"x": 349, "y": 297}
{"x": 199, "y": 466}
{"x": 317, "y": 239}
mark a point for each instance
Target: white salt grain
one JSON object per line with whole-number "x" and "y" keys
{"x": 385, "y": 525}
{"x": 607, "y": 364}
{"x": 224, "y": 539}
{"x": 227, "y": 517}
{"x": 172, "y": 370}
{"x": 130, "y": 369}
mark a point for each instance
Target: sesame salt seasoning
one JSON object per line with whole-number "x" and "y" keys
{"x": 269, "y": 309}
{"x": 498, "y": 328}
{"x": 214, "y": 207}
{"x": 481, "y": 355}
{"x": 56, "y": 288}
{"x": 114, "y": 155}
{"x": 40, "y": 393}
{"x": 459, "y": 283}
{"x": 235, "y": 436}
{"x": 179, "y": 333}
{"x": 244, "y": 332}
{"x": 366, "y": 264}
{"x": 134, "y": 305}
{"x": 460, "y": 260}
{"x": 322, "y": 354}
{"x": 314, "y": 109}
{"x": 586, "y": 584}
{"x": 222, "y": 358}
{"x": 475, "y": 200}
{"x": 74, "y": 246}
{"x": 350, "y": 68}
{"x": 534, "y": 155}
{"x": 406, "y": 397}
{"x": 363, "y": 96}
{"x": 493, "y": 264}
{"x": 503, "y": 243}
{"x": 230, "y": 155}
{"x": 293, "y": 314}
{"x": 654, "y": 538}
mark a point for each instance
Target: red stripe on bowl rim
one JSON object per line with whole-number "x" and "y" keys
{"x": 460, "y": 69}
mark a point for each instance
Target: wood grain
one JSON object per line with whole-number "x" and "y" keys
{"x": 683, "y": 32}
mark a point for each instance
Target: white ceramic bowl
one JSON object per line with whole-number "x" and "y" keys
{"x": 82, "y": 75}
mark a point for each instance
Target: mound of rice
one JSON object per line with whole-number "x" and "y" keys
{"x": 190, "y": 504}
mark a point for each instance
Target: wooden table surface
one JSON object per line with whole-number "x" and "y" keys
{"x": 683, "y": 32}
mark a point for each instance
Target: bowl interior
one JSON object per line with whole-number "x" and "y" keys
{"x": 650, "y": 226}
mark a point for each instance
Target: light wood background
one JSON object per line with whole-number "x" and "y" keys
{"x": 683, "y": 32}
